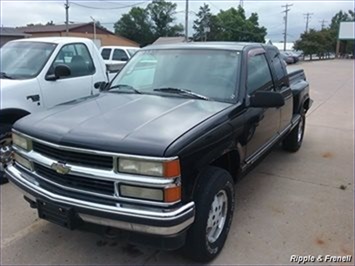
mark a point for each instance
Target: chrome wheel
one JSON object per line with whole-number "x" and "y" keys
{"x": 217, "y": 216}
{"x": 300, "y": 131}
{"x": 5, "y": 151}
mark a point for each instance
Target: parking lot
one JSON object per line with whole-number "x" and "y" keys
{"x": 290, "y": 204}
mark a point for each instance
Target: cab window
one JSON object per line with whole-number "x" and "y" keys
{"x": 77, "y": 58}
{"x": 259, "y": 75}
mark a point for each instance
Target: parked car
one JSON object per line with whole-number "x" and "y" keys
{"x": 116, "y": 57}
{"x": 39, "y": 73}
{"x": 288, "y": 58}
{"x": 159, "y": 151}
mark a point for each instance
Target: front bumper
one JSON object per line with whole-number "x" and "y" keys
{"x": 163, "y": 222}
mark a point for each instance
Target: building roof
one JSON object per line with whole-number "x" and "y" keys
{"x": 57, "y": 28}
{"x": 7, "y": 31}
{"x": 169, "y": 40}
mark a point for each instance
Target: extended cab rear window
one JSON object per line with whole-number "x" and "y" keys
{"x": 105, "y": 53}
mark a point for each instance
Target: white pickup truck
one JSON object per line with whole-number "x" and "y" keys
{"x": 39, "y": 73}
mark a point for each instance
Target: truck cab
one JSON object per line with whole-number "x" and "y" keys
{"x": 30, "y": 81}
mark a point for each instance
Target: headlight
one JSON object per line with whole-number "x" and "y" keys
{"x": 21, "y": 142}
{"x": 23, "y": 162}
{"x": 168, "y": 169}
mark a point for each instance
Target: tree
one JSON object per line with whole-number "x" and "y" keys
{"x": 203, "y": 24}
{"x": 136, "y": 25}
{"x": 315, "y": 42}
{"x": 234, "y": 26}
{"x": 144, "y": 26}
{"x": 162, "y": 16}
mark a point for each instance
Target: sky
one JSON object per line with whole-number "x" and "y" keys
{"x": 19, "y": 13}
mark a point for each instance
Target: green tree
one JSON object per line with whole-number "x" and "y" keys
{"x": 162, "y": 16}
{"x": 136, "y": 25}
{"x": 231, "y": 25}
{"x": 315, "y": 42}
{"x": 145, "y": 25}
{"x": 203, "y": 24}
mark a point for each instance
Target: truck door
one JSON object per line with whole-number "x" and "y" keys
{"x": 263, "y": 123}
{"x": 78, "y": 84}
{"x": 282, "y": 85}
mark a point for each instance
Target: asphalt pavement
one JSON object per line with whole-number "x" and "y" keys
{"x": 291, "y": 204}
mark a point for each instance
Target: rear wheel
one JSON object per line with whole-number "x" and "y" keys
{"x": 214, "y": 212}
{"x": 294, "y": 139}
{"x": 5, "y": 150}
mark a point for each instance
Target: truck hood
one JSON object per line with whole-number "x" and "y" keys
{"x": 123, "y": 123}
{"x": 5, "y": 83}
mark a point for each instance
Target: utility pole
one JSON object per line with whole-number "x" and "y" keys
{"x": 323, "y": 23}
{"x": 286, "y": 14}
{"x": 241, "y": 3}
{"x": 94, "y": 27}
{"x": 308, "y": 17}
{"x": 67, "y": 17}
{"x": 187, "y": 21}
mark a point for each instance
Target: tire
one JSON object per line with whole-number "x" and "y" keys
{"x": 5, "y": 132}
{"x": 214, "y": 199}
{"x": 294, "y": 139}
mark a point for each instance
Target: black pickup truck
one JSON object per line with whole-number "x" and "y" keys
{"x": 159, "y": 151}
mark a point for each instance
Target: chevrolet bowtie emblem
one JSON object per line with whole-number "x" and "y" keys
{"x": 60, "y": 168}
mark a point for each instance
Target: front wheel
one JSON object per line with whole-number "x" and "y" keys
{"x": 5, "y": 150}
{"x": 214, "y": 212}
{"x": 294, "y": 139}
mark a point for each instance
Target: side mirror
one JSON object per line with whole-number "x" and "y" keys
{"x": 267, "y": 99}
{"x": 101, "y": 85}
{"x": 60, "y": 71}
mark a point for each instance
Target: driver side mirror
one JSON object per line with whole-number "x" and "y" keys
{"x": 101, "y": 85}
{"x": 60, "y": 71}
{"x": 267, "y": 99}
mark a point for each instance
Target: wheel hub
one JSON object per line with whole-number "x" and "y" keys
{"x": 217, "y": 216}
{"x": 5, "y": 152}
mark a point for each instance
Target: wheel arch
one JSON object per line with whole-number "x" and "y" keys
{"x": 10, "y": 115}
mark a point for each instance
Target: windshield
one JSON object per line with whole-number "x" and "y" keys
{"x": 24, "y": 60}
{"x": 209, "y": 73}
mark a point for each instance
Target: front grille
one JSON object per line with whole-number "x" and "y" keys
{"x": 77, "y": 158}
{"x": 77, "y": 182}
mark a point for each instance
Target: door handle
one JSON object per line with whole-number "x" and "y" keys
{"x": 34, "y": 98}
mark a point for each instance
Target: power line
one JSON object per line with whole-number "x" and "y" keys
{"x": 121, "y": 7}
{"x": 308, "y": 17}
{"x": 286, "y": 15}
{"x": 212, "y": 4}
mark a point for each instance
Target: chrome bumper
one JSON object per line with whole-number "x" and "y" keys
{"x": 172, "y": 221}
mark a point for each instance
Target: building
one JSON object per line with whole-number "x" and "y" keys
{"x": 100, "y": 35}
{"x": 9, "y": 34}
{"x": 346, "y": 34}
{"x": 169, "y": 40}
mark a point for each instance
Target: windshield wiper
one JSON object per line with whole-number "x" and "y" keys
{"x": 4, "y": 75}
{"x": 182, "y": 91}
{"x": 124, "y": 86}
